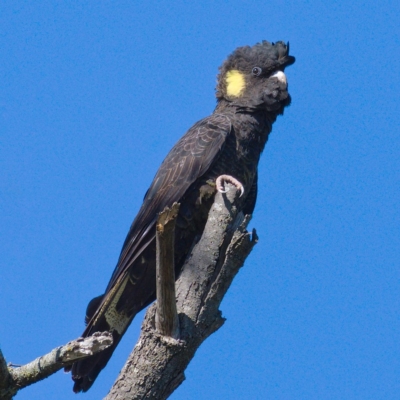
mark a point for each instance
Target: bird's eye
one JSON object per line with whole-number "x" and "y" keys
{"x": 256, "y": 71}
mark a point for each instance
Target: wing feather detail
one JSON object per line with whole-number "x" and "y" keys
{"x": 191, "y": 157}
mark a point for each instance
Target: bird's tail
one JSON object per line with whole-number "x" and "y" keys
{"x": 102, "y": 315}
{"x": 85, "y": 372}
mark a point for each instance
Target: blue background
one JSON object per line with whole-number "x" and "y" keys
{"x": 95, "y": 93}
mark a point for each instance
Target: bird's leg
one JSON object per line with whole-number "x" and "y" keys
{"x": 219, "y": 183}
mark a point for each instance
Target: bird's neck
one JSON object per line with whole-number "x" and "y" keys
{"x": 228, "y": 107}
{"x": 257, "y": 122}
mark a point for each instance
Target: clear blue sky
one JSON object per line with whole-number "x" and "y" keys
{"x": 94, "y": 94}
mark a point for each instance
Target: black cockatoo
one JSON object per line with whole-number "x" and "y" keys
{"x": 251, "y": 92}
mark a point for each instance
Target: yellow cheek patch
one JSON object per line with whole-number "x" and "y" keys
{"x": 235, "y": 83}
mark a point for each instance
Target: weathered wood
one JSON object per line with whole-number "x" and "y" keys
{"x": 156, "y": 365}
{"x": 13, "y": 379}
{"x": 167, "y": 322}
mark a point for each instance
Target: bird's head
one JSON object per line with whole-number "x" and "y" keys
{"x": 253, "y": 78}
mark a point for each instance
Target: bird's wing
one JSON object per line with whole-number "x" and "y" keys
{"x": 189, "y": 159}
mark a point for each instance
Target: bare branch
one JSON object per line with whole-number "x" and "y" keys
{"x": 14, "y": 379}
{"x": 156, "y": 365}
{"x": 167, "y": 322}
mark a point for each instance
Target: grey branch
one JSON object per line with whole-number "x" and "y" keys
{"x": 167, "y": 322}
{"x": 13, "y": 379}
{"x": 156, "y": 366}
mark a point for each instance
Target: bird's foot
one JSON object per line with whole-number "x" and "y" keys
{"x": 220, "y": 181}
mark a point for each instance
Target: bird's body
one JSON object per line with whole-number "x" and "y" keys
{"x": 251, "y": 92}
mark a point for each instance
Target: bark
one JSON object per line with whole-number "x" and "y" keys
{"x": 157, "y": 363}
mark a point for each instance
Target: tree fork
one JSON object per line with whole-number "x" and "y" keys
{"x": 156, "y": 366}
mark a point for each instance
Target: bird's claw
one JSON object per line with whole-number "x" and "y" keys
{"x": 219, "y": 183}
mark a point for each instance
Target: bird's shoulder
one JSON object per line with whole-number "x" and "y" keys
{"x": 188, "y": 160}
{"x": 191, "y": 157}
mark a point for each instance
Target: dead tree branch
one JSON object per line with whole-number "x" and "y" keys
{"x": 14, "y": 379}
{"x": 156, "y": 365}
{"x": 167, "y": 343}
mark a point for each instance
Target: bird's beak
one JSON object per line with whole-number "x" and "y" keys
{"x": 280, "y": 76}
